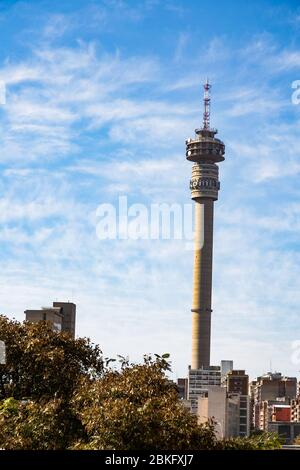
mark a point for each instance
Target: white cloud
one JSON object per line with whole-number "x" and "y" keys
{"x": 12, "y": 210}
{"x": 81, "y": 126}
{"x": 58, "y": 87}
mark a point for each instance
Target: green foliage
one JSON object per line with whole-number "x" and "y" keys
{"x": 138, "y": 408}
{"x": 263, "y": 441}
{"x": 9, "y": 407}
{"x": 37, "y": 426}
{"x": 42, "y": 371}
{"x": 56, "y": 393}
{"x": 42, "y": 364}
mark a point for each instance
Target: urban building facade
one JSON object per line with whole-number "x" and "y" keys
{"x": 226, "y": 366}
{"x": 226, "y": 401}
{"x": 68, "y": 310}
{"x": 199, "y": 381}
{"x": 245, "y": 416}
{"x": 48, "y": 314}
{"x": 62, "y": 316}
{"x": 295, "y": 409}
{"x": 237, "y": 382}
{"x": 268, "y": 392}
{"x": 280, "y": 413}
{"x": 224, "y": 408}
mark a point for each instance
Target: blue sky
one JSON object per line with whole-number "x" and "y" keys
{"x": 101, "y": 96}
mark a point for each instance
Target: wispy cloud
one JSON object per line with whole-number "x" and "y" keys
{"x": 182, "y": 43}
{"x": 56, "y": 26}
{"x": 89, "y": 117}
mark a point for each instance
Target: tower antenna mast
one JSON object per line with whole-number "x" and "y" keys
{"x": 206, "y": 100}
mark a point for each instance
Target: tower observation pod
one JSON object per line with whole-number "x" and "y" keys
{"x": 206, "y": 151}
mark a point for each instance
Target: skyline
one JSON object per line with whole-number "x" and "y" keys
{"x": 100, "y": 98}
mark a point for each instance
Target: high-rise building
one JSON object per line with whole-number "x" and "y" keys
{"x": 199, "y": 381}
{"x": 205, "y": 150}
{"x": 269, "y": 390}
{"x": 269, "y": 411}
{"x": 68, "y": 310}
{"x": 62, "y": 316}
{"x": 48, "y": 314}
{"x": 245, "y": 416}
{"x": 272, "y": 386}
{"x": 237, "y": 382}
{"x": 226, "y": 366}
{"x": 224, "y": 408}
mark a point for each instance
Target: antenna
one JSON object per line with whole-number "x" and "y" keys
{"x": 206, "y": 100}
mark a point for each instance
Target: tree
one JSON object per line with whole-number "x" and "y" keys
{"x": 137, "y": 407}
{"x": 42, "y": 371}
{"x": 42, "y": 364}
{"x": 59, "y": 393}
{"x": 263, "y": 441}
{"x": 35, "y": 425}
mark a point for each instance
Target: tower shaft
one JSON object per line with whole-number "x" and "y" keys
{"x": 202, "y": 288}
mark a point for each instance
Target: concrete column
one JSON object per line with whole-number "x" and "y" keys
{"x": 201, "y": 306}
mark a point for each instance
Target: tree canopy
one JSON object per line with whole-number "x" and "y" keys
{"x": 59, "y": 393}
{"x": 137, "y": 407}
{"x": 41, "y": 364}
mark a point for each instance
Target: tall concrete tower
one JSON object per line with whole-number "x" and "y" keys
{"x": 205, "y": 150}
